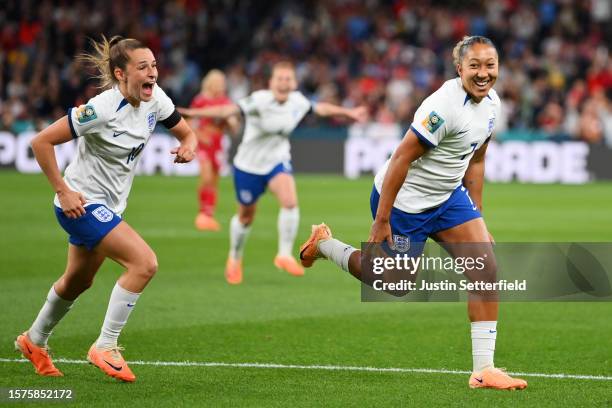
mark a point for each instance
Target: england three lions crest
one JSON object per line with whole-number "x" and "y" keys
{"x": 401, "y": 243}
{"x": 151, "y": 121}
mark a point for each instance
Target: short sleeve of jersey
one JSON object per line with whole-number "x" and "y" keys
{"x": 90, "y": 117}
{"x": 165, "y": 106}
{"x": 305, "y": 105}
{"x": 433, "y": 119}
{"x": 249, "y": 103}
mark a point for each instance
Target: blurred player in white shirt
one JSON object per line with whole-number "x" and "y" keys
{"x": 111, "y": 130}
{"x": 432, "y": 187}
{"x": 263, "y": 160}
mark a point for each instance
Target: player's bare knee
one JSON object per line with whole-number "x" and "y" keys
{"x": 246, "y": 215}
{"x": 150, "y": 267}
{"x": 247, "y": 219}
{"x": 145, "y": 268}
{"x": 489, "y": 272}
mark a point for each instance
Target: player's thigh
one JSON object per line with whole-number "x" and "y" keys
{"x": 283, "y": 187}
{"x": 474, "y": 230}
{"x": 470, "y": 240}
{"x": 126, "y": 247}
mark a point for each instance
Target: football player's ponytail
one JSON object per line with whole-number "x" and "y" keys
{"x": 108, "y": 55}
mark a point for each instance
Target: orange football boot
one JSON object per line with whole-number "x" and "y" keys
{"x": 233, "y": 271}
{"x": 205, "y": 222}
{"x": 309, "y": 251}
{"x": 111, "y": 362}
{"x": 39, "y": 356}
{"x": 496, "y": 378}
{"x": 288, "y": 264}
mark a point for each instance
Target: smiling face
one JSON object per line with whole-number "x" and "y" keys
{"x": 282, "y": 82}
{"x": 136, "y": 81}
{"x": 478, "y": 70}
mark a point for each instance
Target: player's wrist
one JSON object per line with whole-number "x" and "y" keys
{"x": 381, "y": 219}
{"x": 62, "y": 190}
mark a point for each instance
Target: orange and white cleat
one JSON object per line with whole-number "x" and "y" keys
{"x": 288, "y": 264}
{"x": 309, "y": 251}
{"x": 39, "y": 356}
{"x": 205, "y": 222}
{"x": 233, "y": 271}
{"x": 111, "y": 362}
{"x": 496, "y": 378}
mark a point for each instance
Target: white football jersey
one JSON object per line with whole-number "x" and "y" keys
{"x": 110, "y": 135}
{"x": 453, "y": 126}
{"x": 267, "y": 127}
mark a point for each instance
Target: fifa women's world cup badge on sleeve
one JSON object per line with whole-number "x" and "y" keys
{"x": 86, "y": 113}
{"x": 432, "y": 122}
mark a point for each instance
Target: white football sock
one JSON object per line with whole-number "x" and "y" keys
{"x": 288, "y": 222}
{"x": 337, "y": 252}
{"x": 238, "y": 237}
{"x": 54, "y": 309}
{"x": 120, "y": 306}
{"x": 483, "y": 344}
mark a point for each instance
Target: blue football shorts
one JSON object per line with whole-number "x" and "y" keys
{"x": 89, "y": 229}
{"x": 407, "y": 227}
{"x": 250, "y": 186}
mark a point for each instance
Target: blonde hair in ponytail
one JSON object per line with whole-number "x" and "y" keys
{"x": 108, "y": 55}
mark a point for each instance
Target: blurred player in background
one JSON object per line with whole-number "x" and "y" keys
{"x": 111, "y": 130}
{"x": 432, "y": 187}
{"x": 210, "y": 137}
{"x": 263, "y": 160}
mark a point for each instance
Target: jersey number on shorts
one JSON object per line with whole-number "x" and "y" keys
{"x": 135, "y": 152}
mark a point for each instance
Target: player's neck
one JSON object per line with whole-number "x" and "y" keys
{"x": 131, "y": 100}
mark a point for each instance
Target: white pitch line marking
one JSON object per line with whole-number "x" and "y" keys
{"x": 319, "y": 367}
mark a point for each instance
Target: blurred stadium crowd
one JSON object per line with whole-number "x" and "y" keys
{"x": 555, "y": 77}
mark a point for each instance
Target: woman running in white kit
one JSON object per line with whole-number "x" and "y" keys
{"x": 263, "y": 160}
{"x": 111, "y": 130}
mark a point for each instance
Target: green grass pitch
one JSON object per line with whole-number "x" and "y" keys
{"x": 189, "y": 313}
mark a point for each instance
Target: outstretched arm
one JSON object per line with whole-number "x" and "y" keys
{"x": 186, "y": 151}
{"x": 42, "y": 146}
{"x": 358, "y": 114}
{"x": 408, "y": 151}
{"x": 213, "y": 112}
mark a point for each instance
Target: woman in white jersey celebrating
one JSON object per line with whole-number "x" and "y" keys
{"x": 111, "y": 130}
{"x": 263, "y": 160}
{"x": 432, "y": 187}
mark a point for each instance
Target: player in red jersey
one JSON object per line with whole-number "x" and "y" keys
{"x": 210, "y": 137}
